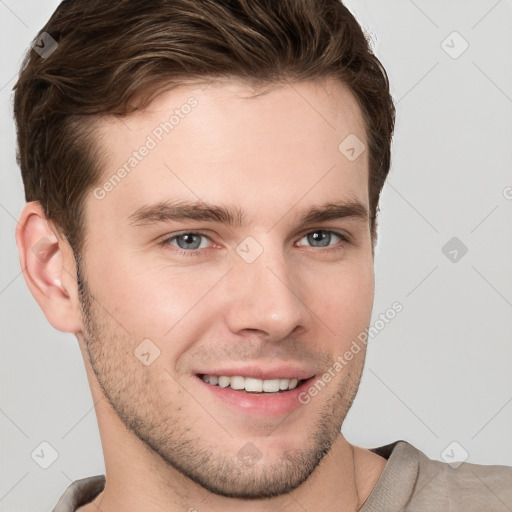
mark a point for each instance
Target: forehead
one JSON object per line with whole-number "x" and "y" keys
{"x": 228, "y": 142}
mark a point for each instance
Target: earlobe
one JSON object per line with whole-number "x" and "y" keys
{"x": 48, "y": 266}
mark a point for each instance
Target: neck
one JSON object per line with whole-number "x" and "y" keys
{"x": 137, "y": 479}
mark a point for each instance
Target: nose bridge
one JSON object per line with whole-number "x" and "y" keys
{"x": 267, "y": 294}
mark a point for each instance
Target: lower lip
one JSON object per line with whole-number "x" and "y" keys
{"x": 277, "y": 405}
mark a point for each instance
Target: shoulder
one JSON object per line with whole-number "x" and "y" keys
{"x": 462, "y": 485}
{"x": 432, "y": 485}
{"x": 79, "y": 493}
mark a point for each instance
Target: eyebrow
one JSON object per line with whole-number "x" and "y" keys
{"x": 165, "y": 211}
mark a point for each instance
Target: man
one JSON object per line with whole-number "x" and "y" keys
{"x": 202, "y": 181}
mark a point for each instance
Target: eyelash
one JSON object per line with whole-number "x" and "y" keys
{"x": 197, "y": 252}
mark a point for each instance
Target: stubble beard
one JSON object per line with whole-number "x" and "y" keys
{"x": 166, "y": 431}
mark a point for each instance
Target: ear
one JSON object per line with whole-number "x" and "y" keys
{"x": 48, "y": 265}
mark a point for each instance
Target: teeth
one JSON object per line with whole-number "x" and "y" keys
{"x": 252, "y": 385}
{"x": 293, "y": 383}
{"x": 283, "y": 383}
{"x": 270, "y": 386}
{"x": 223, "y": 381}
{"x": 237, "y": 382}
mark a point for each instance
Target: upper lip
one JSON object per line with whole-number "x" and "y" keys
{"x": 259, "y": 372}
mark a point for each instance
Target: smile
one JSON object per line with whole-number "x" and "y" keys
{"x": 250, "y": 384}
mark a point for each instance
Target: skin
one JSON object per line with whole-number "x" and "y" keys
{"x": 168, "y": 445}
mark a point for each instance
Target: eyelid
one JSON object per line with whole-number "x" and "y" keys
{"x": 168, "y": 238}
{"x": 344, "y": 237}
{"x": 187, "y": 232}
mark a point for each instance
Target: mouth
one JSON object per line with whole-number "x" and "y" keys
{"x": 253, "y": 386}
{"x": 255, "y": 390}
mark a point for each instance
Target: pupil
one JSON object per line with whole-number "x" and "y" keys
{"x": 188, "y": 240}
{"x": 319, "y": 236}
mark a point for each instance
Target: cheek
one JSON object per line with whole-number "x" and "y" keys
{"x": 156, "y": 301}
{"x": 344, "y": 299}
{"x": 175, "y": 304}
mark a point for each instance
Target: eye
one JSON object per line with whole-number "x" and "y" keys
{"x": 191, "y": 242}
{"x": 188, "y": 241}
{"x": 323, "y": 238}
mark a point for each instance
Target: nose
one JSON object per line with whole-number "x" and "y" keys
{"x": 266, "y": 296}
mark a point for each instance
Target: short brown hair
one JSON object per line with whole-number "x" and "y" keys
{"x": 111, "y": 51}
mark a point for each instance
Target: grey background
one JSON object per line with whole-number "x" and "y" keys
{"x": 440, "y": 371}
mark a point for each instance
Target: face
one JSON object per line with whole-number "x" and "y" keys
{"x": 229, "y": 258}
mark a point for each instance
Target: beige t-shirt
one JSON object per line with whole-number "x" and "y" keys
{"x": 410, "y": 482}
